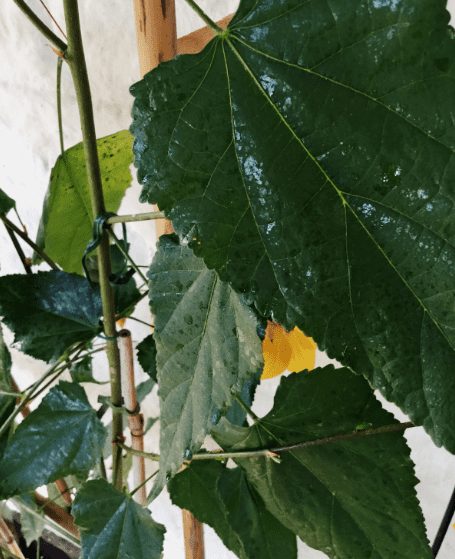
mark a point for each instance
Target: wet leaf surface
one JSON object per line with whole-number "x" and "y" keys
{"x": 301, "y": 157}
{"x": 207, "y": 347}
{"x": 62, "y": 436}
{"x": 350, "y": 498}
{"x": 49, "y": 311}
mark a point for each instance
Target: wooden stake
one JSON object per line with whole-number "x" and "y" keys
{"x": 136, "y": 419}
{"x": 8, "y": 541}
{"x": 157, "y": 42}
{"x": 193, "y": 532}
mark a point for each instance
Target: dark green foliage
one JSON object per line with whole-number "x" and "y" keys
{"x": 62, "y": 436}
{"x": 301, "y": 157}
{"x": 6, "y": 203}
{"x": 207, "y": 347}
{"x": 224, "y": 499}
{"x": 146, "y": 355}
{"x": 49, "y": 311}
{"x": 350, "y": 498}
{"x": 113, "y": 525}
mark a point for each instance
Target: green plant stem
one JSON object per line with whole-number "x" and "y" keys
{"x": 131, "y": 307}
{"x": 25, "y": 399}
{"x": 76, "y": 61}
{"x": 113, "y": 236}
{"x": 18, "y": 248}
{"x": 135, "y": 217}
{"x": 143, "y": 483}
{"x": 270, "y": 452}
{"x": 30, "y": 392}
{"x": 27, "y": 239}
{"x": 41, "y": 26}
{"x": 59, "y": 104}
{"x": 134, "y": 452}
{"x": 213, "y": 26}
{"x": 138, "y": 320}
{"x": 246, "y": 408}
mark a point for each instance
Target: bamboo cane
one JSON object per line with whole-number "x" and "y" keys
{"x": 135, "y": 419}
{"x": 157, "y": 42}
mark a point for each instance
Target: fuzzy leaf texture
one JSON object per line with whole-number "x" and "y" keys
{"x": 113, "y": 525}
{"x": 49, "y": 311}
{"x": 62, "y": 436}
{"x": 304, "y": 160}
{"x": 225, "y": 500}
{"x": 66, "y": 222}
{"x": 350, "y": 498}
{"x": 207, "y": 346}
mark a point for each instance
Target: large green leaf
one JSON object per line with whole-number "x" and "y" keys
{"x": 308, "y": 156}
{"x": 113, "y": 525}
{"x": 351, "y": 498}
{"x": 49, "y": 311}
{"x": 62, "y": 436}
{"x": 224, "y": 499}
{"x": 206, "y": 344}
{"x": 66, "y": 222}
{"x": 6, "y": 203}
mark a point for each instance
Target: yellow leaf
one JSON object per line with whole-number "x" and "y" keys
{"x": 286, "y": 350}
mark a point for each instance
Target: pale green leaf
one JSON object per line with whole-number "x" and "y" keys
{"x": 67, "y": 219}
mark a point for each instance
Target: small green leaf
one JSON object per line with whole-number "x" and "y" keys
{"x": 32, "y": 523}
{"x": 83, "y": 372}
{"x": 225, "y": 500}
{"x": 146, "y": 355}
{"x": 207, "y": 347}
{"x": 49, "y": 311}
{"x": 62, "y": 436}
{"x": 66, "y": 223}
{"x": 113, "y": 525}
{"x": 350, "y": 498}
{"x": 6, "y": 203}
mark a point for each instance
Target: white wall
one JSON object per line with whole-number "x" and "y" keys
{"x": 29, "y": 146}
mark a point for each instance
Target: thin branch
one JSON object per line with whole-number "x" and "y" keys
{"x": 273, "y": 452}
{"x": 59, "y": 104}
{"x": 213, "y": 26}
{"x": 445, "y": 523}
{"x": 113, "y": 236}
{"x": 40, "y": 25}
{"x": 135, "y": 452}
{"x": 18, "y": 248}
{"x": 134, "y": 217}
{"x": 246, "y": 408}
{"x": 52, "y": 18}
{"x": 27, "y": 239}
{"x": 76, "y": 61}
{"x": 143, "y": 483}
{"x": 139, "y": 320}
